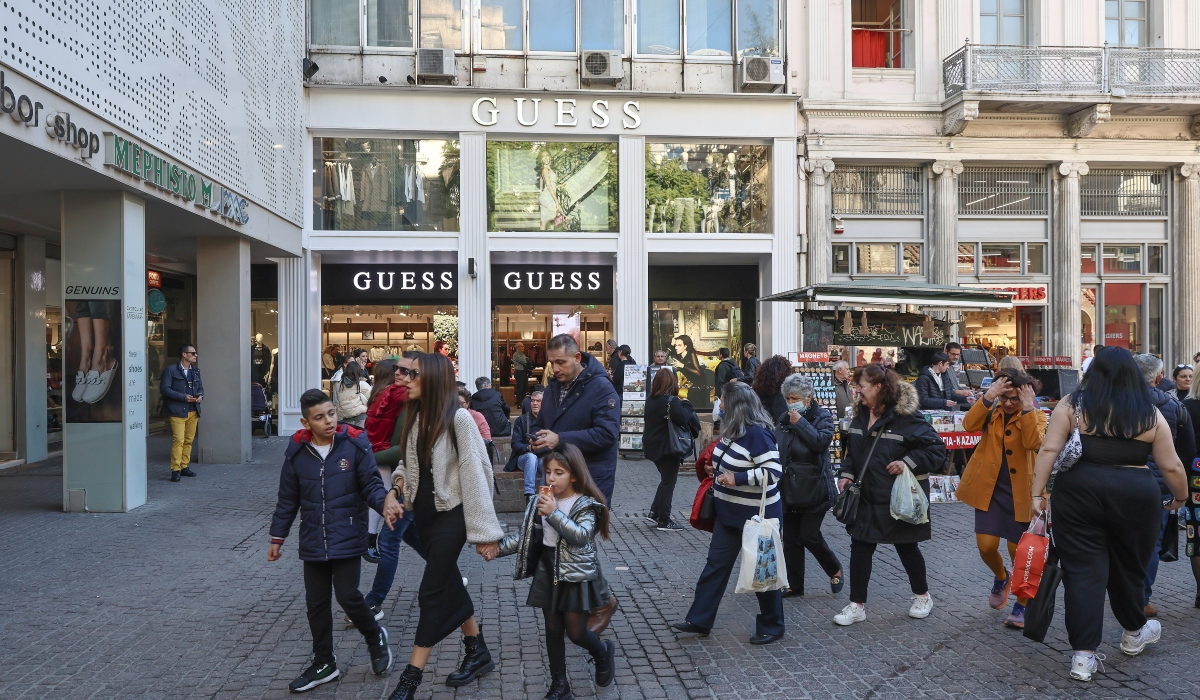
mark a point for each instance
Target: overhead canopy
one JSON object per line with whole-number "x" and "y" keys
{"x": 931, "y": 296}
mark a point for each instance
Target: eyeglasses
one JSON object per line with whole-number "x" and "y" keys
{"x": 1010, "y": 399}
{"x": 190, "y": 352}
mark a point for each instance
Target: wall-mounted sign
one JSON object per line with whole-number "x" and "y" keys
{"x": 1043, "y": 361}
{"x": 135, "y": 159}
{"x": 1063, "y": 361}
{"x": 889, "y": 330}
{"x": 156, "y": 301}
{"x": 799, "y": 358}
{"x": 154, "y": 279}
{"x": 1023, "y": 294}
{"x": 550, "y": 283}
{"x": 388, "y": 283}
{"x": 25, "y": 110}
{"x": 565, "y": 112}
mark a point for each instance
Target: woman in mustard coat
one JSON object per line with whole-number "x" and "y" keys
{"x": 998, "y": 480}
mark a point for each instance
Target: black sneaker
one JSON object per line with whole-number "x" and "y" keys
{"x": 376, "y": 610}
{"x": 315, "y": 675}
{"x": 650, "y": 519}
{"x": 669, "y": 525}
{"x": 372, "y": 555}
{"x": 175, "y": 476}
{"x": 187, "y": 471}
{"x": 381, "y": 653}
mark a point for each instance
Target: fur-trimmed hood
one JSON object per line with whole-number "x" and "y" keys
{"x": 908, "y": 405}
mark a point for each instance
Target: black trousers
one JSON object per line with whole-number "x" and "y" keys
{"x": 522, "y": 380}
{"x": 723, "y": 553}
{"x": 342, "y": 576}
{"x": 1106, "y": 522}
{"x": 861, "y": 556}
{"x": 802, "y": 531}
{"x": 668, "y": 472}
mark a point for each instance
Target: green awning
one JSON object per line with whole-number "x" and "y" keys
{"x": 931, "y": 296}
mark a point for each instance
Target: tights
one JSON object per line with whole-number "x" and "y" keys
{"x": 989, "y": 552}
{"x": 574, "y": 625}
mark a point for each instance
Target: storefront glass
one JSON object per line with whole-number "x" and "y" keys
{"x": 1088, "y": 317}
{"x": 385, "y": 184}
{"x": 1155, "y": 320}
{"x": 708, "y": 188}
{"x": 1122, "y": 316}
{"x": 173, "y": 325}
{"x": 692, "y": 333}
{"x": 1031, "y": 331}
{"x": 7, "y": 399}
{"x": 552, "y": 186}
{"x": 992, "y": 329}
{"x": 532, "y": 325}
{"x": 264, "y": 343}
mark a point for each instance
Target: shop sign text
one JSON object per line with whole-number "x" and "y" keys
{"x": 486, "y": 112}
{"x": 24, "y": 110}
{"x": 1023, "y": 294}
{"x": 371, "y": 283}
{"x": 553, "y": 282}
{"x": 133, "y": 158}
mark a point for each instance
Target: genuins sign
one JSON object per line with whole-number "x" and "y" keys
{"x": 137, "y": 160}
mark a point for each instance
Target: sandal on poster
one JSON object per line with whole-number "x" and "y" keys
{"x": 80, "y": 386}
{"x": 97, "y": 389}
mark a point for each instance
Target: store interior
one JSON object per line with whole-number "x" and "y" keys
{"x": 533, "y": 325}
{"x": 386, "y": 330}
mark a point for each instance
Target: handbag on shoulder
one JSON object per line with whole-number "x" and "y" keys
{"x": 680, "y": 441}
{"x": 845, "y": 508}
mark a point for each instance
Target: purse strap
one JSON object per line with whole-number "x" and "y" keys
{"x": 863, "y": 472}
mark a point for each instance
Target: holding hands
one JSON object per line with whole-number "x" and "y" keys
{"x": 488, "y": 551}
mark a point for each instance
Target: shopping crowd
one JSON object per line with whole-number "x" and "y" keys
{"x": 407, "y": 456}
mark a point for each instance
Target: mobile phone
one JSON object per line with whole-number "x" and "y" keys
{"x": 531, "y": 437}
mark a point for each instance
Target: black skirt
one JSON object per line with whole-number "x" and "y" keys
{"x": 563, "y": 596}
{"x": 443, "y": 599}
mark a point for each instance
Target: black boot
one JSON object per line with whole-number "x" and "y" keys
{"x": 476, "y": 661}
{"x": 410, "y": 680}
{"x": 560, "y": 687}
{"x": 605, "y": 664}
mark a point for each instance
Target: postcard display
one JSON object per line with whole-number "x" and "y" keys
{"x": 821, "y": 376}
{"x": 634, "y": 389}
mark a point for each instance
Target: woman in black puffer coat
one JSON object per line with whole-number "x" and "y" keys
{"x": 804, "y": 433}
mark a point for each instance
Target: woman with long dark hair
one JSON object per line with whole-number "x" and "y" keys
{"x": 683, "y": 357}
{"x": 745, "y": 460}
{"x": 887, "y": 436}
{"x": 662, "y": 407}
{"x": 1107, "y": 514}
{"x": 447, "y": 481}
{"x": 383, "y": 375}
{"x": 767, "y": 383}
{"x": 1192, "y": 543}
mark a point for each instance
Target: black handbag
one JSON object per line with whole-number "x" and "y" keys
{"x": 680, "y": 442}
{"x": 845, "y": 508}
{"x": 708, "y": 505}
{"x": 804, "y": 487}
{"x": 1170, "y": 546}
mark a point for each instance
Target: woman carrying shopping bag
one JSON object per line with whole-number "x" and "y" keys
{"x": 997, "y": 480}
{"x": 745, "y": 461}
{"x": 888, "y": 435}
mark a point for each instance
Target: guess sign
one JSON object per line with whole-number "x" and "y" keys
{"x": 382, "y": 284}
{"x": 544, "y": 283}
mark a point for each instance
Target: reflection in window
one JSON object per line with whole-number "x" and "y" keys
{"x": 758, "y": 27}
{"x": 1122, "y": 316}
{"x": 1088, "y": 259}
{"x": 333, "y": 22}
{"x": 389, "y": 23}
{"x": 1154, "y": 260}
{"x": 1123, "y": 192}
{"x": 912, "y": 258}
{"x": 441, "y": 24}
{"x": 601, "y": 25}
{"x": 880, "y": 189}
{"x": 1002, "y": 22}
{"x": 555, "y": 186}
{"x": 658, "y": 27}
{"x": 385, "y": 185}
{"x": 875, "y": 258}
{"x": 709, "y": 27}
{"x": 1122, "y": 259}
{"x": 1037, "y": 259}
{"x": 708, "y": 188}
{"x": 1125, "y": 22}
{"x": 841, "y": 258}
{"x": 1001, "y": 259}
{"x": 501, "y": 25}
{"x": 552, "y": 25}
{"x": 966, "y": 258}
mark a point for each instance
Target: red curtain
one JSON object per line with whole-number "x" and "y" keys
{"x": 869, "y": 48}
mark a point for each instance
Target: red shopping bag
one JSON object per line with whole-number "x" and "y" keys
{"x": 1030, "y": 560}
{"x": 703, "y": 510}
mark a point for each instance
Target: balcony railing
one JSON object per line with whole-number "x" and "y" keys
{"x": 1106, "y": 70}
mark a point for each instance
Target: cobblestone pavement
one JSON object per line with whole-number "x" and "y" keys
{"x": 177, "y": 600}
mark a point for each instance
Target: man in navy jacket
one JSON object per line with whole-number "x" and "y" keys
{"x": 329, "y": 475}
{"x": 182, "y": 392}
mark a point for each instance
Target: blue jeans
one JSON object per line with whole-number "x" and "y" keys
{"x": 1152, "y": 570}
{"x": 529, "y": 463}
{"x": 389, "y": 555}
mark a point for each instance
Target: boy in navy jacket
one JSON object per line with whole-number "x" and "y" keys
{"x": 329, "y": 476}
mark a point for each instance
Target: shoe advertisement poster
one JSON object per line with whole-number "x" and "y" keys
{"x": 92, "y": 360}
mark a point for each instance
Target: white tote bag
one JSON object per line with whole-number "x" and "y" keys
{"x": 763, "y": 567}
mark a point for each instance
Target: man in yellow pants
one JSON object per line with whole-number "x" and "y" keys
{"x": 182, "y": 392}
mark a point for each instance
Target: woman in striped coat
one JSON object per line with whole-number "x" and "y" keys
{"x": 745, "y": 458}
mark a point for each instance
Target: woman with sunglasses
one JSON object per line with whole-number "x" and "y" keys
{"x": 997, "y": 480}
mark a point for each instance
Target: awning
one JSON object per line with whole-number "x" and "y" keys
{"x": 928, "y": 296}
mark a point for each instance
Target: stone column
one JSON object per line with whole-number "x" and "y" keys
{"x": 223, "y": 343}
{"x": 943, "y": 239}
{"x": 820, "y": 220}
{"x": 474, "y": 293}
{"x": 632, "y": 287}
{"x": 299, "y": 360}
{"x": 29, "y": 368}
{"x": 1185, "y": 314}
{"x": 1065, "y": 291}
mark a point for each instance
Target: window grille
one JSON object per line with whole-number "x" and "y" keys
{"x": 1124, "y": 193}
{"x": 877, "y": 190}
{"x": 1003, "y": 191}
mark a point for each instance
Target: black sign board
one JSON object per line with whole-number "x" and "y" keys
{"x": 553, "y": 283}
{"x": 388, "y": 283}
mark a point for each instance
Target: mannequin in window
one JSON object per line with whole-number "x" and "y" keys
{"x": 260, "y": 359}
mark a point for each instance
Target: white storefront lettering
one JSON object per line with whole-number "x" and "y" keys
{"x": 486, "y": 112}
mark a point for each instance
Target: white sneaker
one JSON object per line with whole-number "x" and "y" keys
{"x": 80, "y": 385}
{"x": 921, "y": 607}
{"x": 98, "y": 387}
{"x": 1132, "y": 643}
{"x": 465, "y": 580}
{"x": 850, "y": 614}
{"x": 1083, "y": 665}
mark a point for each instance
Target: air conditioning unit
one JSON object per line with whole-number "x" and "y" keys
{"x": 435, "y": 63}
{"x": 597, "y": 66}
{"x": 761, "y": 73}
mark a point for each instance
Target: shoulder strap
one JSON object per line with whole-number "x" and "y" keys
{"x": 862, "y": 472}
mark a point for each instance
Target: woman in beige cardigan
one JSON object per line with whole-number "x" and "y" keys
{"x": 446, "y": 479}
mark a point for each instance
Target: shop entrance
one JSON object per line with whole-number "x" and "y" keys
{"x": 170, "y": 322}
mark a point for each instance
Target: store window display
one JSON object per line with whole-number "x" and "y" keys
{"x": 385, "y": 184}
{"x": 692, "y": 333}
{"x": 708, "y": 188}
{"x": 552, "y": 186}
{"x": 387, "y": 331}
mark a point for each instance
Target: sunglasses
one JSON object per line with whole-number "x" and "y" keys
{"x": 410, "y": 373}
{"x": 1183, "y": 367}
